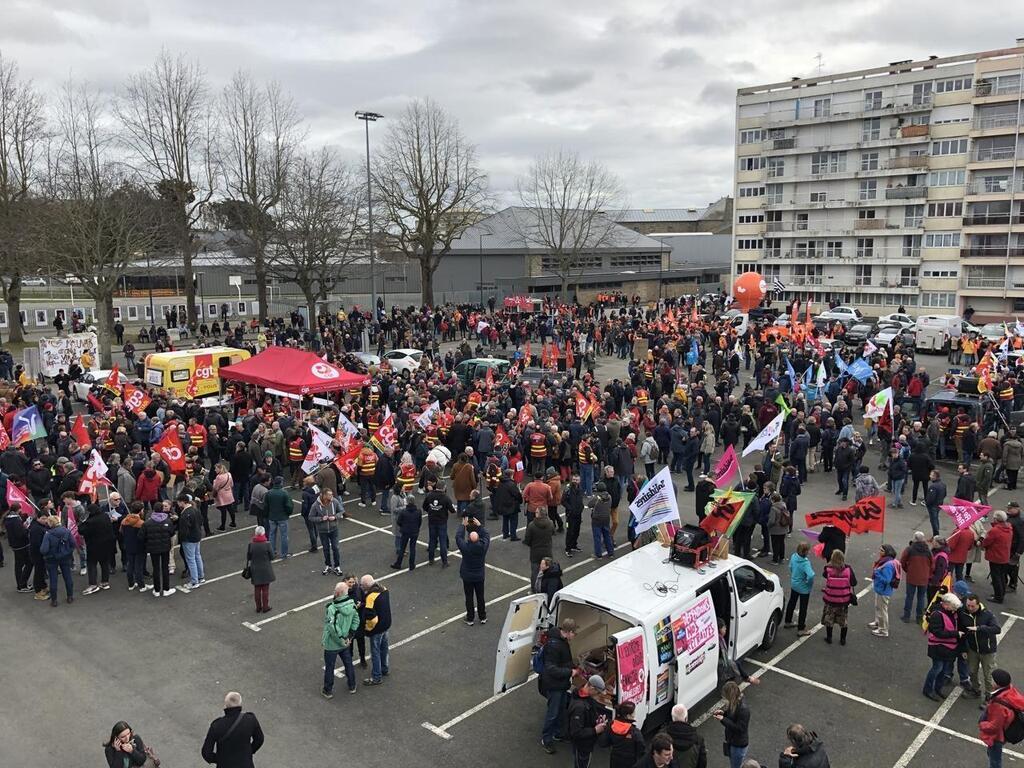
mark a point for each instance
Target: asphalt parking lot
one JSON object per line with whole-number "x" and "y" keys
{"x": 164, "y": 665}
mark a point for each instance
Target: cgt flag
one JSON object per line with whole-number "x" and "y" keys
{"x": 346, "y": 462}
{"x": 319, "y": 450}
{"x": 727, "y": 468}
{"x": 656, "y": 503}
{"x": 80, "y": 433}
{"x": 866, "y": 515}
{"x": 386, "y": 435}
{"x": 964, "y": 512}
{"x": 169, "y": 447}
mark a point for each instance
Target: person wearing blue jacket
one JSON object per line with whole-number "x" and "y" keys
{"x": 473, "y": 540}
{"x": 801, "y": 582}
{"x": 884, "y": 581}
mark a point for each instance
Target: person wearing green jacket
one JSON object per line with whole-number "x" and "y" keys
{"x": 278, "y": 505}
{"x": 341, "y": 620}
{"x": 801, "y": 582}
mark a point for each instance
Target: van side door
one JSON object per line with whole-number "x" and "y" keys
{"x": 695, "y": 640}
{"x": 516, "y": 641}
{"x": 751, "y": 607}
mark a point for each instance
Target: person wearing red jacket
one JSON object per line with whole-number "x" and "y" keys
{"x": 997, "y": 552}
{"x": 960, "y": 545}
{"x": 147, "y": 487}
{"x": 1000, "y": 711}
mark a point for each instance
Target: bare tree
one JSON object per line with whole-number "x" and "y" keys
{"x": 22, "y": 137}
{"x": 97, "y": 220}
{"x": 428, "y": 185}
{"x": 170, "y": 129}
{"x": 261, "y": 134}
{"x": 321, "y": 216}
{"x": 566, "y": 199}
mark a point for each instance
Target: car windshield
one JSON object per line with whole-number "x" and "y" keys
{"x": 992, "y": 329}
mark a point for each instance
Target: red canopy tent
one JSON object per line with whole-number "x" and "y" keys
{"x": 292, "y": 370}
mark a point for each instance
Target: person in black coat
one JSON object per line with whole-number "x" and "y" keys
{"x": 100, "y": 547}
{"x": 233, "y": 739}
{"x": 549, "y": 578}
{"x": 409, "y": 521}
{"x": 507, "y": 500}
{"x": 832, "y": 539}
{"x": 702, "y": 495}
{"x": 125, "y": 748}
{"x": 805, "y": 749}
{"x": 553, "y": 681}
{"x": 572, "y": 503}
{"x": 473, "y": 540}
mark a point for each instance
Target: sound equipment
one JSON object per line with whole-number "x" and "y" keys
{"x": 687, "y": 543}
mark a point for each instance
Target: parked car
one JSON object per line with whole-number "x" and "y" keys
{"x": 896, "y": 317}
{"x": 887, "y": 332}
{"x": 34, "y": 281}
{"x": 763, "y": 313}
{"x": 858, "y": 333}
{"x": 403, "y": 360}
{"x": 847, "y": 315}
{"x": 81, "y": 388}
{"x": 992, "y": 331}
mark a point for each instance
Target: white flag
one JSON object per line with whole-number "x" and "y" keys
{"x": 425, "y": 418}
{"x": 346, "y": 427}
{"x": 869, "y": 348}
{"x": 766, "y": 435}
{"x": 319, "y": 450}
{"x": 820, "y": 382}
{"x": 656, "y": 503}
{"x": 878, "y": 404}
{"x": 481, "y": 327}
{"x": 743, "y": 325}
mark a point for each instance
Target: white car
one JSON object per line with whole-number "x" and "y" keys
{"x": 367, "y": 358}
{"x": 81, "y": 387}
{"x": 403, "y": 360}
{"x": 846, "y": 315}
{"x": 34, "y": 281}
{"x": 904, "y": 320}
{"x": 887, "y": 331}
{"x": 992, "y": 331}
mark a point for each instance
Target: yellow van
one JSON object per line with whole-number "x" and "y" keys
{"x": 172, "y": 370}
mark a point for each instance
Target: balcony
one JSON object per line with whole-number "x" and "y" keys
{"x": 778, "y": 226}
{"x": 994, "y": 121}
{"x": 984, "y": 282}
{"x": 859, "y": 224}
{"x": 988, "y": 219}
{"x": 814, "y": 280}
{"x": 907, "y": 161}
{"x": 996, "y": 251}
{"x": 993, "y": 187}
{"x": 988, "y": 154}
{"x": 783, "y": 143}
{"x": 908, "y": 131}
{"x": 904, "y": 193}
{"x": 851, "y": 111}
{"x": 988, "y": 88}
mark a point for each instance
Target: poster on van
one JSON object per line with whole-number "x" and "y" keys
{"x": 632, "y": 671}
{"x": 699, "y": 621}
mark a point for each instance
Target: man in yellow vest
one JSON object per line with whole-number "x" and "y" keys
{"x": 366, "y": 465}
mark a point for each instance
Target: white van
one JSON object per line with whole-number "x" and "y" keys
{"x": 659, "y": 617}
{"x": 934, "y": 332}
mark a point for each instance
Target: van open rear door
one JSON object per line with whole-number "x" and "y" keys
{"x": 515, "y": 643}
{"x": 633, "y": 681}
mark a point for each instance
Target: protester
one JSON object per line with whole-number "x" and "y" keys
{"x": 1001, "y": 709}
{"x": 838, "y": 595}
{"x": 735, "y": 719}
{"x": 125, "y": 748}
{"x": 57, "y": 549}
{"x": 623, "y": 738}
{"x": 324, "y": 514}
{"x": 376, "y": 623}
{"x": 341, "y": 620}
{"x": 259, "y": 563}
{"x": 586, "y": 721}
{"x": 978, "y": 630}
{"x": 804, "y": 750}
{"x": 885, "y": 579}
{"x": 473, "y": 540}
{"x": 917, "y": 566}
{"x": 233, "y": 739}
{"x": 801, "y": 582}
{"x": 553, "y": 682}
{"x": 998, "y": 545}
{"x": 943, "y": 639}
{"x": 688, "y": 745}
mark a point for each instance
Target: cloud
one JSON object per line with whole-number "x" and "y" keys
{"x": 742, "y": 67}
{"x": 718, "y": 92}
{"x": 678, "y": 58}
{"x": 691, "y": 21}
{"x": 559, "y": 81}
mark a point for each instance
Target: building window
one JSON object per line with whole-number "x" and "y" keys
{"x": 749, "y": 266}
{"x": 868, "y": 189}
{"x": 872, "y": 100}
{"x": 771, "y": 270}
{"x": 863, "y": 276}
{"x": 755, "y": 163}
{"x": 40, "y": 315}
{"x": 773, "y": 194}
{"x": 752, "y": 136}
{"x": 908, "y": 277}
{"x": 828, "y": 162}
{"x": 869, "y": 161}
{"x": 912, "y": 246}
{"x": 750, "y": 218}
{"x": 955, "y": 84}
{"x": 776, "y": 167}
{"x": 939, "y": 273}
{"x": 922, "y": 94}
{"x": 950, "y": 178}
{"x": 583, "y": 261}
{"x": 823, "y": 107}
{"x": 751, "y": 191}
{"x": 938, "y": 299}
{"x": 866, "y": 213}
{"x": 871, "y": 129}
{"x": 951, "y": 209}
{"x": 818, "y": 197}
{"x": 865, "y": 247}
{"x": 834, "y": 249}
{"x": 942, "y": 240}
{"x": 912, "y": 215}
{"x": 623, "y": 260}
{"x": 749, "y": 244}
{"x": 949, "y": 147}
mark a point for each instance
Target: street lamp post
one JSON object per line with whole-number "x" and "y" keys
{"x": 480, "y": 252}
{"x": 149, "y": 280}
{"x": 367, "y": 118}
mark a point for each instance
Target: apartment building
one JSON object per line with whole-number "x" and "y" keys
{"x": 895, "y": 185}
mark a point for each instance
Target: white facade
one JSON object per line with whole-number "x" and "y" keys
{"x": 896, "y": 185}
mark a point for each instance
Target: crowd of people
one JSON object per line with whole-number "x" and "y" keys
{"x": 566, "y": 448}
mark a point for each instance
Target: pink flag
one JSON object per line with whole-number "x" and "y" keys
{"x": 15, "y": 494}
{"x": 726, "y": 469}
{"x": 965, "y": 512}
{"x": 73, "y": 527}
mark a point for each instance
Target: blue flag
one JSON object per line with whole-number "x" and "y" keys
{"x": 860, "y": 370}
{"x": 27, "y": 426}
{"x": 691, "y": 356}
{"x": 840, "y": 363}
{"x": 794, "y": 382}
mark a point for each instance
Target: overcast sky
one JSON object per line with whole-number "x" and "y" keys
{"x": 646, "y": 87}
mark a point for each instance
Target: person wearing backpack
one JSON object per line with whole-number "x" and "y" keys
{"x": 1003, "y": 720}
{"x": 779, "y": 520}
{"x": 918, "y": 564}
{"x": 624, "y": 739}
{"x": 341, "y": 620}
{"x": 885, "y": 579}
{"x": 556, "y": 661}
{"x": 57, "y": 549}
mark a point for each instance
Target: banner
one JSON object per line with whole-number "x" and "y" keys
{"x": 868, "y": 514}
{"x": 428, "y": 415}
{"x": 860, "y": 370}
{"x": 62, "y": 351}
{"x": 766, "y": 435}
{"x": 656, "y": 503}
{"x": 319, "y": 450}
{"x": 79, "y": 433}
{"x": 135, "y": 400}
{"x": 169, "y": 447}
{"x": 727, "y": 468}
{"x": 27, "y": 426}
{"x": 386, "y": 436}
{"x": 15, "y": 494}
{"x": 631, "y": 669}
{"x": 964, "y": 512}
{"x": 113, "y": 383}
{"x": 346, "y": 462}
{"x": 725, "y": 510}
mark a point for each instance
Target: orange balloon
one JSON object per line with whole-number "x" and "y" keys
{"x": 748, "y": 290}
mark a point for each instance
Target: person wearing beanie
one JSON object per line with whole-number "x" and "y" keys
{"x": 279, "y": 508}
{"x": 943, "y": 642}
{"x": 586, "y": 720}
{"x": 1000, "y": 711}
{"x": 600, "y": 505}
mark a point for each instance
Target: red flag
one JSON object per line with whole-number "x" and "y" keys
{"x": 722, "y": 511}
{"x": 96, "y": 403}
{"x": 169, "y": 447}
{"x": 868, "y": 514}
{"x": 346, "y": 462}
{"x": 807, "y": 314}
{"x": 113, "y": 382}
{"x": 489, "y": 377}
{"x": 192, "y": 388}
{"x": 5, "y": 439}
{"x": 95, "y": 475}
{"x": 584, "y": 408}
{"x": 386, "y": 435}
{"x": 524, "y": 417}
{"x": 793, "y": 313}
{"x": 526, "y": 354}
{"x": 79, "y": 433}
{"x": 501, "y": 438}
{"x": 570, "y": 359}
{"x": 135, "y": 399}
{"x": 15, "y": 494}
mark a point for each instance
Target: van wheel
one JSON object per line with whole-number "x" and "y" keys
{"x": 771, "y": 631}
